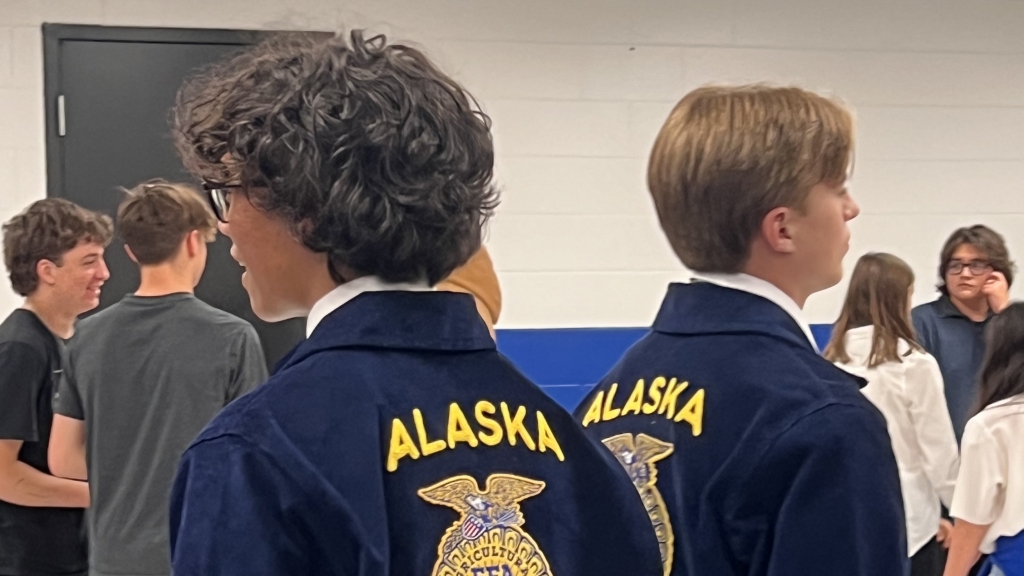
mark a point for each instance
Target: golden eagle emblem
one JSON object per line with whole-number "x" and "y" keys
{"x": 487, "y": 539}
{"x": 637, "y": 456}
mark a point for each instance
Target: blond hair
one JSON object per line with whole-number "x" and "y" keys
{"x": 727, "y": 156}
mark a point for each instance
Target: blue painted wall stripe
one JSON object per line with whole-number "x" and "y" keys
{"x": 567, "y": 355}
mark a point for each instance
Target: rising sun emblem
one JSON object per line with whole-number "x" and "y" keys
{"x": 487, "y": 539}
{"x": 637, "y": 456}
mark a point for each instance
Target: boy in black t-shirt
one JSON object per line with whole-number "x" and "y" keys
{"x": 53, "y": 252}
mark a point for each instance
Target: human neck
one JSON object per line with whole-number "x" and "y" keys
{"x": 317, "y": 284}
{"x": 783, "y": 279}
{"x": 164, "y": 279}
{"x": 57, "y": 320}
{"x": 975, "y": 309}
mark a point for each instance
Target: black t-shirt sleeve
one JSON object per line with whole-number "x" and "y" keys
{"x": 23, "y": 375}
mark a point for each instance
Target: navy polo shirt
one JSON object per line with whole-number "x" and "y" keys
{"x": 397, "y": 440}
{"x": 753, "y": 455}
{"x": 958, "y": 343}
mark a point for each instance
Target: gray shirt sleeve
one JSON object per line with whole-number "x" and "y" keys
{"x": 250, "y": 366}
{"x": 67, "y": 401}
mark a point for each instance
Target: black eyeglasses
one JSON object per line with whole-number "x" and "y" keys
{"x": 977, "y": 267}
{"x": 219, "y": 196}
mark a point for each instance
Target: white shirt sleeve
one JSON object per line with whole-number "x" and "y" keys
{"x": 979, "y": 489}
{"x": 929, "y": 416}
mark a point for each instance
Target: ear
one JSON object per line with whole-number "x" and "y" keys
{"x": 777, "y": 230}
{"x": 131, "y": 255}
{"x": 302, "y": 229}
{"x": 192, "y": 241}
{"x": 46, "y": 271}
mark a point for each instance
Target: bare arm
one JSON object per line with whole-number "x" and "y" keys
{"x": 23, "y": 485}
{"x": 964, "y": 552}
{"x": 67, "y": 448}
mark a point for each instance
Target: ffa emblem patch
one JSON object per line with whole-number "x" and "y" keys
{"x": 638, "y": 456}
{"x": 487, "y": 539}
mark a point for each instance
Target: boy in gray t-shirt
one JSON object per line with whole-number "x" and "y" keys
{"x": 147, "y": 375}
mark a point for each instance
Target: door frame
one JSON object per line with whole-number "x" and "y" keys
{"x": 55, "y": 34}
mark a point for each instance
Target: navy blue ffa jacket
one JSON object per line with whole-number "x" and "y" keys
{"x": 753, "y": 455}
{"x": 397, "y": 441}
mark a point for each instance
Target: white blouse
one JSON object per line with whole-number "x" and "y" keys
{"x": 990, "y": 489}
{"x": 910, "y": 395}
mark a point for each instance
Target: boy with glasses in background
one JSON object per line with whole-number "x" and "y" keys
{"x": 975, "y": 275}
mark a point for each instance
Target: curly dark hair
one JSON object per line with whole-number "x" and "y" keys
{"x": 46, "y": 230}
{"x": 372, "y": 154}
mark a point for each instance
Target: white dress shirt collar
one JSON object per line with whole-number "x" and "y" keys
{"x": 346, "y": 292}
{"x": 764, "y": 289}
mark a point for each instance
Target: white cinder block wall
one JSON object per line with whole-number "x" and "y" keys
{"x": 577, "y": 90}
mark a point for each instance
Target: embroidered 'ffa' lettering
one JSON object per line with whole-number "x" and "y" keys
{"x": 460, "y": 431}
{"x": 663, "y": 398}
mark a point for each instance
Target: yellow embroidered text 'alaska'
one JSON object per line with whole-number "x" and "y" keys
{"x": 662, "y": 398}
{"x": 510, "y": 426}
